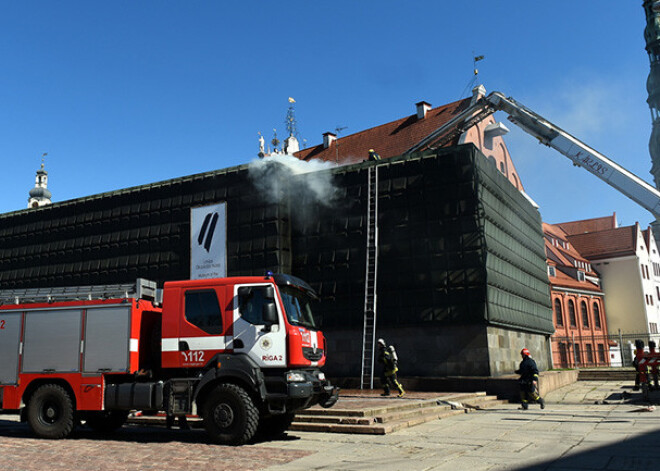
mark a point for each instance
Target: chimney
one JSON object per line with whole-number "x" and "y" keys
{"x": 328, "y": 138}
{"x": 478, "y": 93}
{"x": 422, "y": 108}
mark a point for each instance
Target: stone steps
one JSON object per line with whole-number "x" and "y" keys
{"x": 380, "y": 420}
{"x": 607, "y": 375}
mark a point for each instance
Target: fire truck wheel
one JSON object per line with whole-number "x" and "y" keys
{"x": 230, "y": 416}
{"x": 106, "y": 421}
{"x": 50, "y": 412}
{"x": 275, "y": 425}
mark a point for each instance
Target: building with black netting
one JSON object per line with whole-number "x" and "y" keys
{"x": 462, "y": 281}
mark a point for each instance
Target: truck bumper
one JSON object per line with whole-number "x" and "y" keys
{"x": 308, "y": 389}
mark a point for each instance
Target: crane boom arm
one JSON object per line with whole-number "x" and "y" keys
{"x": 547, "y": 133}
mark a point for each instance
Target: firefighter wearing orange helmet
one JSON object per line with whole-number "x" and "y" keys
{"x": 529, "y": 380}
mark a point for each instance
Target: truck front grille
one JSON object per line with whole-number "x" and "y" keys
{"x": 312, "y": 355}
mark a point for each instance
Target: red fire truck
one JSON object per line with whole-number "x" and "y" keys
{"x": 242, "y": 353}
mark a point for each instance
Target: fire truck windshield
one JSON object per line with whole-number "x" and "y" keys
{"x": 298, "y": 307}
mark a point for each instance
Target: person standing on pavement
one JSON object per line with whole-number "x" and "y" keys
{"x": 387, "y": 357}
{"x": 529, "y": 380}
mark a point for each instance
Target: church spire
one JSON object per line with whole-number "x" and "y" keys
{"x": 652, "y": 38}
{"x": 40, "y": 195}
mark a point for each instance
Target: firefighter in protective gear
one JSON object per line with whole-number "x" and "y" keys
{"x": 387, "y": 356}
{"x": 373, "y": 156}
{"x": 529, "y": 380}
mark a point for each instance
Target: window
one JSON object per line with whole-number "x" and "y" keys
{"x": 552, "y": 271}
{"x": 577, "y": 353}
{"x": 571, "y": 313}
{"x": 585, "y": 314}
{"x": 203, "y": 311}
{"x": 251, "y": 303}
{"x": 580, "y": 275}
{"x": 558, "y": 313}
{"x": 653, "y": 327}
{"x": 563, "y": 354}
{"x": 590, "y": 353}
{"x": 596, "y": 316}
{"x": 642, "y": 268}
{"x": 502, "y": 167}
{"x": 657, "y": 292}
{"x": 601, "y": 353}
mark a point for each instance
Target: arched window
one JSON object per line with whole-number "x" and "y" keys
{"x": 571, "y": 313}
{"x": 559, "y": 315}
{"x": 596, "y": 316}
{"x": 515, "y": 180}
{"x": 585, "y": 314}
{"x": 502, "y": 167}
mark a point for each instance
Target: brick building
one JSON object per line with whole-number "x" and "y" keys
{"x": 628, "y": 262}
{"x": 580, "y": 337}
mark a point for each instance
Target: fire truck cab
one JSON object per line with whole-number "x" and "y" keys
{"x": 243, "y": 353}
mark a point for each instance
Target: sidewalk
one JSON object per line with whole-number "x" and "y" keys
{"x": 586, "y": 425}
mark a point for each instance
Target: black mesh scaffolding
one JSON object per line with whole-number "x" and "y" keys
{"x": 458, "y": 244}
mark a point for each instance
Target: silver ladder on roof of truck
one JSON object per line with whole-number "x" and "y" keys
{"x": 141, "y": 289}
{"x": 370, "y": 301}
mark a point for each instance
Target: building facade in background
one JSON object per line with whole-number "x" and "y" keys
{"x": 627, "y": 260}
{"x": 581, "y": 335}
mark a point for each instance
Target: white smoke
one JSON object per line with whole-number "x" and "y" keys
{"x": 273, "y": 177}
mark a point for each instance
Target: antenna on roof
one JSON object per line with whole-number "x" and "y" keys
{"x": 338, "y": 129}
{"x": 475, "y": 75}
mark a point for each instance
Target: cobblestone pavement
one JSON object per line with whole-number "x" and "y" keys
{"x": 587, "y": 425}
{"x": 132, "y": 448}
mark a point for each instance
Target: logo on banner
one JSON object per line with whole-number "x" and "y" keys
{"x": 205, "y": 238}
{"x": 208, "y": 241}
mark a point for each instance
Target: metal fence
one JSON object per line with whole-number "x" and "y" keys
{"x": 597, "y": 350}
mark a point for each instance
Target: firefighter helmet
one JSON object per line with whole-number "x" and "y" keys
{"x": 381, "y": 342}
{"x": 524, "y": 352}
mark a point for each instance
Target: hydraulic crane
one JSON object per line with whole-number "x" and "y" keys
{"x": 552, "y": 136}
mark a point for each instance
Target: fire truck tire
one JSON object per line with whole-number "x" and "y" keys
{"x": 230, "y": 416}
{"x": 50, "y": 412}
{"x": 275, "y": 425}
{"x": 106, "y": 421}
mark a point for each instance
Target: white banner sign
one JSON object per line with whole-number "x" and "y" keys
{"x": 208, "y": 241}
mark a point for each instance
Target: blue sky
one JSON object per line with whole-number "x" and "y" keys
{"x": 125, "y": 93}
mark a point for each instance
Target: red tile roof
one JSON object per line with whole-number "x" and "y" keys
{"x": 565, "y": 253}
{"x": 562, "y": 257}
{"x": 647, "y": 238}
{"x": 564, "y": 281}
{"x": 388, "y": 140}
{"x": 606, "y": 244}
{"x": 589, "y": 225}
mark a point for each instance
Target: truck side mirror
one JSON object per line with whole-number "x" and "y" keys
{"x": 269, "y": 315}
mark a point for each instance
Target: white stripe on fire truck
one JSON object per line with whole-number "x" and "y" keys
{"x": 134, "y": 345}
{"x": 218, "y": 342}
